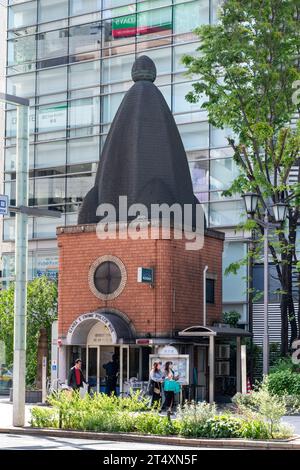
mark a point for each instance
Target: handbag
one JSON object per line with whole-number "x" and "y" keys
{"x": 150, "y": 388}
{"x": 171, "y": 386}
{"x": 83, "y": 390}
{"x": 156, "y": 390}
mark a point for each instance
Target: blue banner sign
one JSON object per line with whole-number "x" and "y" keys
{"x": 3, "y": 204}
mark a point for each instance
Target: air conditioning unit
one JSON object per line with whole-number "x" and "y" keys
{"x": 222, "y": 368}
{"x": 223, "y": 351}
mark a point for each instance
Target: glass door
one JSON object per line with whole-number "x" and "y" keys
{"x": 92, "y": 368}
{"x": 99, "y": 360}
{"x": 124, "y": 366}
{"x": 106, "y": 356}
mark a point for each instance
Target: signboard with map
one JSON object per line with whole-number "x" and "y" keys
{"x": 180, "y": 365}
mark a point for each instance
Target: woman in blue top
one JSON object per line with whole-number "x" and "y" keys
{"x": 169, "y": 392}
{"x": 156, "y": 379}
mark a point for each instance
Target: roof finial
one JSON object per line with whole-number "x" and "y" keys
{"x": 143, "y": 69}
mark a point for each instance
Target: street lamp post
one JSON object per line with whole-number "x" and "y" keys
{"x": 21, "y": 249}
{"x": 21, "y": 253}
{"x": 279, "y": 210}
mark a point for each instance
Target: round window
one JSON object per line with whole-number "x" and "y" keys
{"x": 107, "y": 277}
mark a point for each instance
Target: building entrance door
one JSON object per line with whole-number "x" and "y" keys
{"x": 97, "y": 357}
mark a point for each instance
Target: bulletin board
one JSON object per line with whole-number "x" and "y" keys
{"x": 180, "y": 365}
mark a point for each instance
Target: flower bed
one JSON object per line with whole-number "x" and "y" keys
{"x": 101, "y": 413}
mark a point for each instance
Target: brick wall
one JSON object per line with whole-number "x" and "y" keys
{"x": 174, "y": 303}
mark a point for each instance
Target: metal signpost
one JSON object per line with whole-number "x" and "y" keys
{"x": 21, "y": 252}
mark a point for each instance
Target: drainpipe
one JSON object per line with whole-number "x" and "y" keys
{"x": 204, "y": 295}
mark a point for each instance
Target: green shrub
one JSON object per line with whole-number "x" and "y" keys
{"x": 223, "y": 426}
{"x": 262, "y": 405}
{"x": 259, "y": 417}
{"x": 245, "y": 401}
{"x": 255, "y": 429}
{"x": 284, "y": 382}
{"x": 231, "y": 318}
{"x": 152, "y": 423}
{"x": 192, "y": 418}
{"x": 108, "y": 422}
{"x": 284, "y": 363}
{"x": 44, "y": 417}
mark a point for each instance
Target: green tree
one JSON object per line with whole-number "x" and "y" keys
{"x": 41, "y": 312}
{"x": 248, "y": 65}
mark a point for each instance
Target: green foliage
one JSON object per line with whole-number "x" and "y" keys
{"x": 263, "y": 406}
{"x": 192, "y": 418}
{"x": 254, "y": 429}
{"x": 247, "y": 72}
{"x": 284, "y": 382}
{"x": 244, "y": 401}
{"x": 101, "y": 413}
{"x": 44, "y": 417}
{"x": 231, "y": 318}
{"x": 223, "y": 426}
{"x": 41, "y": 312}
{"x": 152, "y": 423}
{"x": 284, "y": 364}
{"x": 67, "y": 401}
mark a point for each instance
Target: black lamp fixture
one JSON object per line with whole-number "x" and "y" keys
{"x": 250, "y": 201}
{"x": 280, "y": 211}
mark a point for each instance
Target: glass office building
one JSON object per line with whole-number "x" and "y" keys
{"x": 72, "y": 59}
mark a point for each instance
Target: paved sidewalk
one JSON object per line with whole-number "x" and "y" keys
{"x": 6, "y": 412}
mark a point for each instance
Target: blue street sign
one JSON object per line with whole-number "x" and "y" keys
{"x": 3, "y": 204}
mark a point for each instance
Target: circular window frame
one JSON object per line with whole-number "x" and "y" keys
{"x": 92, "y": 270}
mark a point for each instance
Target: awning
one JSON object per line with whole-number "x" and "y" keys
{"x": 121, "y": 329}
{"x": 205, "y": 331}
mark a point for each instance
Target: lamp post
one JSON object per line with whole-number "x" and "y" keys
{"x": 21, "y": 253}
{"x": 279, "y": 210}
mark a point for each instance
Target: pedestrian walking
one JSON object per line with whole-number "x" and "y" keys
{"x": 76, "y": 378}
{"x": 155, "y": 383}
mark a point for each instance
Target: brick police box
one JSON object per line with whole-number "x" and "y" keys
{"x": 105, "y": 308}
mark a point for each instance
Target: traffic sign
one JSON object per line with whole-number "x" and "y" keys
{"x": 3, "y": 204}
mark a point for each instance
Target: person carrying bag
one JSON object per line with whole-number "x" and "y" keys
{"x": 171, "y": 386}
{"x": 155, "y": 383}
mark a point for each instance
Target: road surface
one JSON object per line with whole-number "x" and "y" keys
{"x": 23, "y": 442}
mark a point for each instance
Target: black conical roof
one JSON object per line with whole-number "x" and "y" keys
{"x": 143, "y": 156}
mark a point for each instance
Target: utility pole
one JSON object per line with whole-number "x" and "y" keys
{"x": 21, "y": 253}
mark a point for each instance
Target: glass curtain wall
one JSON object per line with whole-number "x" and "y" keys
{"x": 72, "y": 59}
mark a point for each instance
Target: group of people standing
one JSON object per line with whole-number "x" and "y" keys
{"x": 163, "y": 380}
